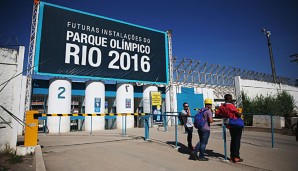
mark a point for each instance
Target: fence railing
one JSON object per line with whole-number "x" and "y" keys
{"x": 31, "y": 129}
{"x": 144, "y": 116}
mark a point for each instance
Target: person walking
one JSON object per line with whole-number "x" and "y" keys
{"x": 188, "y": 124}
{"x": 228, "y": 110}
{"x": 204, "y": 131}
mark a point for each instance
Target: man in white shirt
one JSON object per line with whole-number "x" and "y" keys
{"x": 188, "y": 124}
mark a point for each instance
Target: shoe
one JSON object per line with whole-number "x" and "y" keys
{"x": 231, "y": 159}
{"x": 203, "y": 159}
{"x": 196, "y": 157}
{"x": 237, "y": 159}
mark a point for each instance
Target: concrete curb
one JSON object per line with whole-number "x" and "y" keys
{"x": 38, "y": 159}
{"x": 278, "y": 131}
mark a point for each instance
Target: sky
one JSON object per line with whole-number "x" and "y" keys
{"x": 225, "y": 32}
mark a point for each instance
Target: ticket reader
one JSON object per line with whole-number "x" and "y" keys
{"x": 31, "y": 128}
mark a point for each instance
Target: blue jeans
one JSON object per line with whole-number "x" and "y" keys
{"x": 201, "y": 145}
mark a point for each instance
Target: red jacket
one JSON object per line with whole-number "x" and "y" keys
{"x": 227, "y": 110}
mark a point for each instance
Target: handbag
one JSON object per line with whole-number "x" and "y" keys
{"x": 236, "y": 122}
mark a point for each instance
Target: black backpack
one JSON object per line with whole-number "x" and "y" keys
{"x": 180, "y": 119}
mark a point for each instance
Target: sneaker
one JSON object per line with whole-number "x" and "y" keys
{"x": 203, "y": 159}
{"x": 236, "y": 159}
{"x": 196, "y": 157}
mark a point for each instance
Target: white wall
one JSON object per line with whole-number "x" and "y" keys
{"x": 207, "y": 93}
{"x": 255, "y": 88}
{"x": 174, "y": 101}
{"x": 291, "y": 90}
{"x": 12, "y": 94}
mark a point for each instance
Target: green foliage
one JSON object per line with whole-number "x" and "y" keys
{"x": 283, "y": 104}
{"x": 7, "y": 150}
{"x": 13, "y": 159}
{"x": 286, "y": 104}
{"x": 11, "y": 153}
{"x": 248, "y": 120}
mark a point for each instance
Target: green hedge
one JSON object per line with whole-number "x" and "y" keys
{"x": 282, "y": 104}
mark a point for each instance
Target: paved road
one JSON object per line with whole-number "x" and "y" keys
{"x": 109, "y": 150}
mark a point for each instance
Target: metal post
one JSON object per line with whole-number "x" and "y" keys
{"x": 44, "y": 111}
{"x": 122, "y": 124}
{"x": 176, "y": 133}
{"x": 296, "y": 131}
{"x": 59, "y": 124}
{"x": 91, "y": 126}
{"x": 31, "y": 53}
{"x": 45, "y": 126}
{"x": 272, "y": 131}
{"x": 171, "y": 91}
{"x": 224, "y": 136}
{"x": 125, "y": 125}
{"x": 267, "y": 33}
{"x": 165, "y": 123}
{"x": 146, "y": 128}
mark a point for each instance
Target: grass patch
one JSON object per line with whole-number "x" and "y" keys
{"x": 14, "y": 159}
{"x": 11, "y": 155}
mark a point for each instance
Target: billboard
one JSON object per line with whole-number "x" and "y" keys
{"x": 72, "y": 43}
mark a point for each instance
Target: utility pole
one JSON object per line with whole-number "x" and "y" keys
{"x": 267, "y": 33}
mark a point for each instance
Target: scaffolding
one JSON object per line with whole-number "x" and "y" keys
{"x": 30, "y": 62}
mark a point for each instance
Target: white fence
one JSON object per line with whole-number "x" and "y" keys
{"x": 12, "y": 87}
{"x": 255, "y": 88}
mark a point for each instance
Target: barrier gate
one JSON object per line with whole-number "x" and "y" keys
{"x": 31, "y": 129}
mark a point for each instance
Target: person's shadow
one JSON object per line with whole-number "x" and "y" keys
{"x": 185, "y": 150}
{"x": 212, "y": 154}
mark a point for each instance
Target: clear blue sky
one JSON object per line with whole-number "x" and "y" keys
{"x": 225, "y": 32}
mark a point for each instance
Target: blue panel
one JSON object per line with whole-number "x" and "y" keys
{"x": 110, "y": 117}
{"x": 78, "y": 89}
{"x": 42, "y": 118}
{"x": 194, "y": 100}
{"x": 40, "y": 91}
{"x": 76, "y": 117}
{"x": 138, "y": 95}
{"x": 110, "y": 94}
{"x": 77, "y": 92}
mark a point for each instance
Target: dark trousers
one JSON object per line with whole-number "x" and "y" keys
{"x": 236, "y": 133}
{"x": 189, "y": 131}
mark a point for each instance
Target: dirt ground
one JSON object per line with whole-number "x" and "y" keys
{"x": 26, "y": 163}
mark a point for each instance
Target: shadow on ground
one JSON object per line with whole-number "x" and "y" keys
{"x": 182, "y": 149}
{"x": 185, "y": 150}
{"x": 211, "y": 153}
